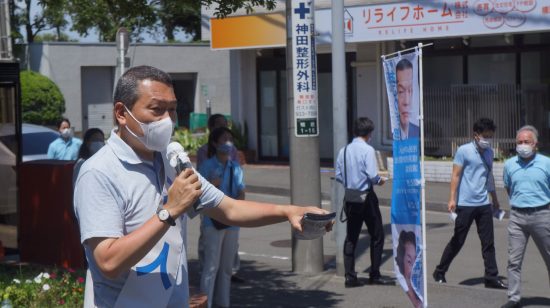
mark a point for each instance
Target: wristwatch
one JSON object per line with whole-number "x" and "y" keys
{"x": 164, "y": 216}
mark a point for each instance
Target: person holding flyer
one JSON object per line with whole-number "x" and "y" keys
{"x": 471, "y": 183}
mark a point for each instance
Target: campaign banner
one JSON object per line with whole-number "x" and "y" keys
{"x": 402, "y": 85}
{"x": 408, "y": 20}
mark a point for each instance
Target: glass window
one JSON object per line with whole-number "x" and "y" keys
{"x": 536, "y": 38}
{"x": 442, "y": 71}
{"x": 497, "y": 68}
{"x": 491, "y": 41}
{"x": 535, "y": 67}
{"x": 268, "y": 114}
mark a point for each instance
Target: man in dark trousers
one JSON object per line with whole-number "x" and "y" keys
{"x": 357, "y": 170}
{"x": 471, "y": 182}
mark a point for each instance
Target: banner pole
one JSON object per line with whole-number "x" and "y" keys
{"x": 400, "y": 52}
{"x": 422, "y": 178}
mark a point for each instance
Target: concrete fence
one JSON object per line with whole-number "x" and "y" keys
{"x": 440, "y": 171}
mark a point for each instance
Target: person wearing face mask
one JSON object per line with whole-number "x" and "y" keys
{"x": 65, "y": 147}
{"x": 527, "y": 181}
{"x": 214, "y": 121}
{"x": 132, "y": 207}
{"x": 220, "y": 241}
{"x": 471, "y": 184}
{"x": 93, "y": 140}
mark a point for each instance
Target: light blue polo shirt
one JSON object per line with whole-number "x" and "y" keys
{"x": 212, "y": 168}
{"x": 476, "y": 179}
{"x": 361, "y": 167}
{"x": 528, "y": 183}
{"x": 64, "y": 150}
{"x": 116, "y": 192}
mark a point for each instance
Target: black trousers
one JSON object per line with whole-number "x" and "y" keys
{"x": 369, "y": 213}
{"x": 483, "y": 216}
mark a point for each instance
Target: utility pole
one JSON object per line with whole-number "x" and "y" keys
{"x": 122, "y": 42}
{"x": 6, "y": 52}
{"x": 339, "y": 120}
{"x": 305, "y": 181}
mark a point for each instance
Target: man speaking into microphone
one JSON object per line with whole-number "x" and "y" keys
{"x": 131, "y": 204}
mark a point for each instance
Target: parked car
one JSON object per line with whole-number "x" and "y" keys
{"x": 36, "y": 140}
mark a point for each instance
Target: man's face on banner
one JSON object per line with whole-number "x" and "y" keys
{"x": 404, "y": 95}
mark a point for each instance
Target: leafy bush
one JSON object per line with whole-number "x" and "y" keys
{"x": 34, "y": 286}
{"x": 190, "y": 142}
{"x": 41, "y": 100}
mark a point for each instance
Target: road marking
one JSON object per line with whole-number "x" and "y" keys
{"x": 242, "y": 253}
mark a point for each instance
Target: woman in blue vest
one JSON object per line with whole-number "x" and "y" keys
{"x": 221, "y": 241}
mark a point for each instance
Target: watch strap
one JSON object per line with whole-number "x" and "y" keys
{"x": 170, "y": 220}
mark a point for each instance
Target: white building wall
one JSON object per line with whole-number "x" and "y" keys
{"x": 62, "y": 63}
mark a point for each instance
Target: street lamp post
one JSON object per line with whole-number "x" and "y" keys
{"x": 122, "y": 42}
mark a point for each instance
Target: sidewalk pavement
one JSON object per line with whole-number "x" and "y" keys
{"x": 266, "y": 258}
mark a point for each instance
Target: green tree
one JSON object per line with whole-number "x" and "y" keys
{"x": 106, "y": 16}
{"x": 227, "y": 7}
{"x": 41, "y": 100}
{"x": 184, "y": 15}
{"x": 50, "y": 16}
{"x": 53, "y": 37}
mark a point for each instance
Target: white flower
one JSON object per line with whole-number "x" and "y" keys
{"x": 16, "y": 281}
{"x": 46, "y": 287}
{"x": 37, "y": 279}
{"x": 46, "y": 276}
{"x": 28, "y": 281}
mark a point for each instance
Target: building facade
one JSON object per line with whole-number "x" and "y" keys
{"x": 488, "y": 59}
{"x": 86, "y": 75}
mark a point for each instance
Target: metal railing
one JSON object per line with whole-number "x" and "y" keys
{"x": 450, "y": 113}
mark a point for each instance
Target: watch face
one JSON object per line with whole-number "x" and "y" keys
{"x": 164, "y": 214}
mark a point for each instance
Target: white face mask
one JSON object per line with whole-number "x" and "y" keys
{"x": 524, "y": 150}
{"x": 485, "y": 143}
{"x": 95, "y": 146}
{"x": 66, "y": 133}
{"x": 156, "y": 135}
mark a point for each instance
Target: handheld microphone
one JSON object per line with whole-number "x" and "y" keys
{"x": 178, "y": 158}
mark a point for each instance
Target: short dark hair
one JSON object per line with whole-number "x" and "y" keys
{"x": 127, "y": 87}
{"x": 484, "y": 125}
{"x": 61, "y": 122}
{"x": 363, "y": 126}
{"x": 404, "y": 237}
{"x": 403, "y": 64}
{"x": 213, "y": 137}
{"x": 212, "y": 120}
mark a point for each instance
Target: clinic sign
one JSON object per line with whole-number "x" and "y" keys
{"x": 438, "y": 18}
{"x": 304, "y": 69}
